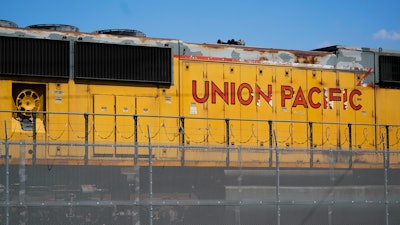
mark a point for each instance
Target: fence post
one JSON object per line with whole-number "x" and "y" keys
{"x": 270, "y": 142}
{"x": 182, "y": 131}
{"x": 34, "y": 138}
{"x": 350, "y": 147}
{"x": 311, "y": 145}
{"x": 86, "y": 157}
{"x": 277, "y": 189}
{"x": 150, "y": 176}
{"x": 387, "y": 143}
{"x": 385, "y": 175}
{"x": 227, "y": 142}
{"x": 7, "y": 187}
{"x": 135, "y": 137}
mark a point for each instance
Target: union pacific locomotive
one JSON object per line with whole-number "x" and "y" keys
{"x": 113, "y": 127}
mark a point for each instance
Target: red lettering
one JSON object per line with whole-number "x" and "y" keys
{"x": 260, "y": 92}
{"x": 351, "y": 98}
{"x": 239, "y": 94}
{"x": 194, "y": 92}
{"x": 285, "y": 95}
{"x": 245, "y": 94}
{"x": 310, "y": 100}
{"x": 215, "y": 90}
{"x": 332, "y": 96}
{"x": 233, "y": 99}
{"x": 299, "y": 99}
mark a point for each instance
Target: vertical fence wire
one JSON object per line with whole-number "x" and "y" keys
{"x": 385, "y": 177}
{"x": 150, "y": 176}
{"x": 7, "y": 175}
{"x": 278, "y": 201}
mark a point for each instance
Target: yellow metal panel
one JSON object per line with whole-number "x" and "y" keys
{"x": 299, "y": 130}
{"x": 362, "y": 102}
{"x": 232, "y": 76}
{"x": 246, "y": 93}
{"x": 79, "y": 98}
{"x": 314, "y": 95}
{"x": 320, "y": 131}
{"x": 58, "y": 124}
{"x": 386, "y": 110}
{"x": 7, "y": 120}
{"x": 146, "y": 108}
{"x": 299, "y": 108}
{"x": 266, "y": 102}
{"x": 364, "y": 115}
{"x": 116, "y": 89}
{"x": 330, "y": 112}
{"x": 79, "y": 102}
{"x": 284, "y": 89}
{"x": 284, "y": 127}
{"x": 124, "y": 108}
{"x": 219, "y": 98}
{"x": 387, "y": 113}
{"x": 169, "y": 106}
{"x": 195, "y": 93}
{"x": 170, "y": 134}
{"x": 347, "y": 113}
{"x": 104, "y": 125}
{"x": 7, "y": 103}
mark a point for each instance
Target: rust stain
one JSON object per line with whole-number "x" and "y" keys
{"x": 309, "y": 57}
{"x": 306, "y": 59}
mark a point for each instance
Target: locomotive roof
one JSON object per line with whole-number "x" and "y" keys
{"x": 333, "y": 57}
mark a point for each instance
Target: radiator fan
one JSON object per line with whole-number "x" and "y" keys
{"x": 28, "y": 101}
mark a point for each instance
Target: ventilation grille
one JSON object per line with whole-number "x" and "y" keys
{"x": 34, "y": 57}
{"x": 389, "y": 69}
{"x": 123, "y": 63}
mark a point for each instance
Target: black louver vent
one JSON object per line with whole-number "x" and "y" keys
{"x": 113, "y": 62}
{"x": 34, "y": 57}
{"x": 389, "y": 69}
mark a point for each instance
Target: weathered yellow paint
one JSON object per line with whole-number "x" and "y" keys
{"x": 57, "y": 124}
{"x": 299, "y": 131}
{"x": 5, "y": 97}
{"x": 283, "y": 130}
{"x": 386, "y": 113}
{"x": 124, "y": 132}
{"x": 242, "y": 96}
{"x": 215, "y": 129}
{"x": 104, "y": 125}
{"x": 265, "y": 110}
{"x": 195, "y": 129}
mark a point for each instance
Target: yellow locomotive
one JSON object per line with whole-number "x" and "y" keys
{"x": 112, "y": 100}
{"x": 193, "y": 95}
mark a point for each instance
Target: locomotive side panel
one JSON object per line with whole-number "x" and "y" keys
{"x": 57, "y": 125}
{"x": 387, "y": 116}
{"x": 7, "y": 103}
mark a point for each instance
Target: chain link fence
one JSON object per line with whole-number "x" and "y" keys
{"x": 175, "y": 170}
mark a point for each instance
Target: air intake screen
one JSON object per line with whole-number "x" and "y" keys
{"x": 123, "y": 63}
{"x": 34, "y": 57}
{"x": 389, "y": 68}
